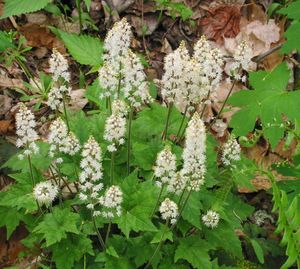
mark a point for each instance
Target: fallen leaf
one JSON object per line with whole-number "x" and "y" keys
{"x": 6, "y": 126}
{"x": 40, "y": 36}
{"x": 149, "y": 23}
{"x": 5, "y": 104}
{"x": 78, "y": 101}
{"x": 6, "y": 82}
{"x": 222, "y": 21}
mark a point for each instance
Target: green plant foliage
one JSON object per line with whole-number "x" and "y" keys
{"x": 56, "y": 225}
{"x": 18, "y": 7}
{"x": 268, "y": 101}
{"x": 83, "y": 48}
{"x": 79, "y": 244}
{"x": 292, "y": 34}
{"x": 139, "y": 201}
{"x": 292, "y": 10}
{"x": 194, "y": 250}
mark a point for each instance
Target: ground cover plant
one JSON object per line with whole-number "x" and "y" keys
{"x": 150, "y": 134}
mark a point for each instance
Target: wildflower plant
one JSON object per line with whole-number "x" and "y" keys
{"x": 137, "y": 183}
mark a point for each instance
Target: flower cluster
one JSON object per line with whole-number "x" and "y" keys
{"x": 117, "y": 40}
{"x": 60, "y": 140}
{"x": 114, "y": 131}
{"x": 111, "y": 202}
{"x": 194, "y": 153}
{"x": 45, "y": 192}
{"x": 136, "y": 89}
{"x": 177, "y": 183}
{"x": 174, "y": 69}
{"x": 165, "y": 167}
{"x": 210, "y": 62}
{"x": 25, "y": 124}
{"x": 122, "y": 69}
{"x": 56, "y": 97}
{"x": 231, "y": 152}
{"x": 91, "y": 165}
{"x": 116, "y": 45}
{"x": 59, "y": 66}
{"x": 188, "y": 80}
{"x": 169, "y": 210}
{"x": 211, "y": 219}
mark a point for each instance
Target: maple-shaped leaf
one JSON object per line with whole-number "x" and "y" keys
{"x": 268, "y": 101}
{"x": 195, "y": 251}
{"x": 70, "y": 250}
{"x": 138, "y": 203}
{"x": 57, "y": 224}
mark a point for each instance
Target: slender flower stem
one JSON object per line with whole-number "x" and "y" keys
{"x": 98, "y": 233}
{"x": 112, "y": 167}
{"x": 27, "y": 72}
{"x": 76, "y": 174}
{"x": 183, "y": 131}
{"x": 31, "y": 170}
{"x": 119, "y": 79}
{"x": 182, "y": 208}
{"x": 204, "y": 107}
{"x": 78, "y": 3}
{"x": 159, "y": 245}
{"x": 157, "y": 201}
{"x": 165, "y": 133}
{"x": 65, "y": 112}
{"x": 129, "y": 140}
{"x": 107, "y": 232}
{"x": 225, "y": 101}
{"x": 181, "y": 124}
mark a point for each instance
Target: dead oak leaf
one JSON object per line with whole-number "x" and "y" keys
{"x": 222, "y": 21}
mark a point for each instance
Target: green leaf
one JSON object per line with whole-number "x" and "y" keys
{"x": 138, "y": 202}
{"x": 258, "y": 251}
{"x": 292, "y": 34}
{"x": 146, "y": 161}
{"x": 83, "y": 48}
{"x": 19, "y": 195}
{"x": 269, "y": 101}
{"x": 292, "y": 10}
{"x": 224, "y": 237}
{"x": 5, "y": 41}
{"x": 18, "y": 7}
{"x": 55, "y": 225}
{"x": 9, "y": 217}
{"x": 195, "y": 251}
{"x": 162, "y": 235}
{"x": 191, "y": 212}
{"x": 70, "y": 250}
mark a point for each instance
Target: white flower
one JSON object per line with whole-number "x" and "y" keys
{"x": 56, "y": 96}
{"x": 174, "y": 69}
{"x": 210, "y": 61}
{"x": 211, "y": 219}
{"x": 25, "y": 124}
{"x": 91, "y": 164}
{"x": 165, "y": 166}
{"x": 110, "y": 76}
{"x": 59, "y": 66}
{"x": 91, "y": 173}
{"x": 169, "y": 210}
{"x": 136, "y": 89}
{"x": 45, "y": 192}
{"x": 58, "y": 132}
{"x": 71, "y": 145}
{"x": 242, "y": 59}
{"x": 177, "y": 183}
{"x": 119, "y": 106}
{"x": 117, "y": 40}
{"x": 111, "y": 201}
{"x": 231, "y": 151}
{"x": 194, "y": 152}
{"x": 114, "y": 131}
